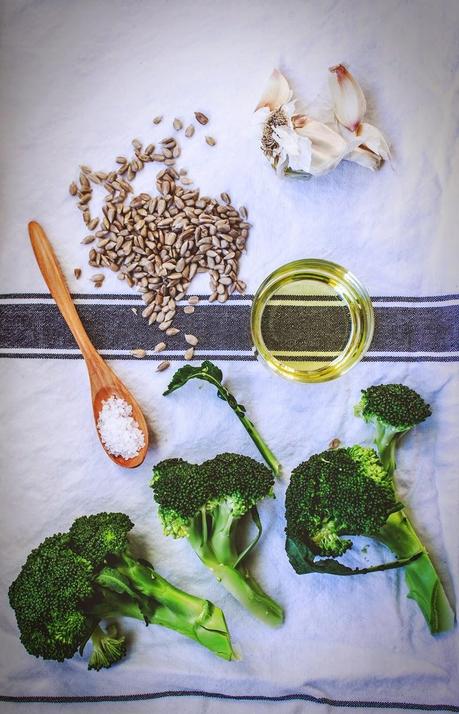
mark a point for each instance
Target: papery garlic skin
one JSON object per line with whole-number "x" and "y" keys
{"x": 295, "y": 151}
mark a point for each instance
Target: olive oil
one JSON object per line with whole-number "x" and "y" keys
{"x": 311, "y": 320}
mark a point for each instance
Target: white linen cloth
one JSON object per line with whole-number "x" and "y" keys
{"x": 79, "y": 80}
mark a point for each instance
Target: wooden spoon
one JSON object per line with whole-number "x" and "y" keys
{"x": 104, "y": 382}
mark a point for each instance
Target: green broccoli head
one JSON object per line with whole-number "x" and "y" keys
{"x": 393, "y": 405}
{"x": 108, "y": 648}
{"x": 338, "y": 492}
{"x": 181, "y": 490}
{"x": 239, "y": 480}
{"x": 184, "y": 491}
{"x": 49, "y": 597}
{"x": 206, "y": 503}
{"x": 100, "y": 536}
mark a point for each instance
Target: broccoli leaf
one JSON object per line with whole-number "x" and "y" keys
{"x": 256, "y": 519}
{"x": 113, "y": 580}
{"x": 302, "y": 561}
{"x": 209, "y": 372}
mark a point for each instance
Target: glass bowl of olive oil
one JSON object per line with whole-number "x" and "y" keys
{"x": 311, "y": 320}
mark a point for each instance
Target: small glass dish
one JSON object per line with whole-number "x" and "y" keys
{"x": 311, "y": 320}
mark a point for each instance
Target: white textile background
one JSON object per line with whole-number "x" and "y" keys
{"x": 78, "y": 81}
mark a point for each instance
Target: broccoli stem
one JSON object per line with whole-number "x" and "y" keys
{"x": 219, "y": 554}
{"x": 163, "y": 604}
{"x": 247, "y": 591}
{"x": 386, "y": 441}
{"x": 424, "y": 585}
{"x": 273, "y": 463}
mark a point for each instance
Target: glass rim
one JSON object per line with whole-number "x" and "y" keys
{"x": 358, "y": 304}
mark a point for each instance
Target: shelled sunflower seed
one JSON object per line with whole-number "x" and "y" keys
{"x": 157, "y": 244}
{"x": 162, "y": 366}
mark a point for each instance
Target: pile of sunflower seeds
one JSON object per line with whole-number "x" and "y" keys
{"x": 158, "y": 243}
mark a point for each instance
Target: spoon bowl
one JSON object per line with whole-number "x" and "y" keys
{"x": 120, "y": 391}
{"x": 104, "y": 382}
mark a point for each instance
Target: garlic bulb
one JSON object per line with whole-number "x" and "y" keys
{"x": 300, "y": 145}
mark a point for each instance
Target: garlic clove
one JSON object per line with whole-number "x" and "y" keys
{"x": 276, "y": 92}
{"x": 349, "y": 101}
{"x": 364, "y": 157}
{"x": 327, "y": 146}
{"x": 371, "y": 138}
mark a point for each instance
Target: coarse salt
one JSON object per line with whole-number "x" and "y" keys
{"x": 119, "y": 431}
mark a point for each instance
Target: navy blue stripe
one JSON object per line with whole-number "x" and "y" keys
{"x": 235, "y": 296}
{"x": 156, "y": 358}
{"x": 218, "y": 327}
{"x": 235, "y": 697}
{"x": 218, "y": 358}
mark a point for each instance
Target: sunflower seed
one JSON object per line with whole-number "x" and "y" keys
{"x": 97, "y": 278}
{"x": 160, "y": 346}
{"x": 87, "y": 240}
{"x": 162, "y": 366}
{"x": 157, "y": 244}
{"x": 158, "y": 119}
{"x": 201, "y": 118}
{"x": 177, "y": 124}
{"x": 192, "y": 340}
{"x": 77, "y": 273}
{"x": 210, "y": 140}
{"x": 73, "y": 189}
{"x": 243, "y": 212}
{"x": 189, "y": 353}
{"x": 334, "y": 443}
{"x": 139, "y": 354}
{"x": 164, "y": 325}
{"x": 189, "y": 131}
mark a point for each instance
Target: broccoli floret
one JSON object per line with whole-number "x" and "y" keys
{"x": 108, "y": 648}
{"x": 393, "y": 410}
{"x": 335, "y": 493}
{"x": 209, "y": 372}
{"x": 74, "y": 580}
{"x": 47, "y": 597}
{"x": 206, "y": 503}
{"x": 100, "y": 537}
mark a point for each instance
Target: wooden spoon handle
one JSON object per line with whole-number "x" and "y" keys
{"x": 54, "y": 279}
